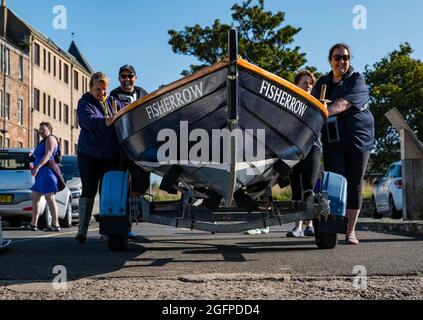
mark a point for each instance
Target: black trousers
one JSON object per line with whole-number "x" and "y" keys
{"x": 352, "y": 165}
{"x": 305, "y": 173}
{"x": 92, "y": 171}
{"x": 140, "y": 180}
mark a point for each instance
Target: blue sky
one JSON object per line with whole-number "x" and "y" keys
{"x": 112, "y": 33}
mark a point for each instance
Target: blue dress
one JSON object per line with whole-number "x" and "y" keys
{"x": 45, "y": 180}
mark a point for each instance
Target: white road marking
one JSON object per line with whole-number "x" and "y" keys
{"x": 51, "y": 236}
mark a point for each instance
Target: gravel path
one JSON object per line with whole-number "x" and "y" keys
{"x": 220, "y": 286}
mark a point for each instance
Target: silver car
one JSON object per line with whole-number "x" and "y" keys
{"x": 15, "y": 192}
{"x": 70, "y": 171}
{"x": 387, "y": 193}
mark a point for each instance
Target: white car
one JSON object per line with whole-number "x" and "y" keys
{"x": 15, "y": 192}
{"x": 70, "y": 172}
{"x": 387, "y": 193}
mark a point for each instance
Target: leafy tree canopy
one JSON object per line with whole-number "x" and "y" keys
{"x": 262, "y": 40}
{"x": 395, "y": 82}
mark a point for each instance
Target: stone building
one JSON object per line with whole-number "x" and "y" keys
{"x": 39, "y": 81}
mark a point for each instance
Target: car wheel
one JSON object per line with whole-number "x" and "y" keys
{"x": 117, "y": 242}
{"x": 393, "y": 212}
{"x": 45, "y": 219}
{"x": 66, "y": 222}
{"x": 376, "y": 215}
{"x": 326, "y": 240}
{"x": 15, "y": 222}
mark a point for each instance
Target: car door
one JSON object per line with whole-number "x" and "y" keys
{"x": 383, "y": 189}
{"x": 377, "y": 192}
{"x": 386, "y": 190}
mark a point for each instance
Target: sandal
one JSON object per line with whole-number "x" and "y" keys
{"x": 351, "y": 239}
{"x": 30, "y": 227}
{"x": 52, "y": 229}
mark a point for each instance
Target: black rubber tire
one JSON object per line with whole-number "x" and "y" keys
{"x": 326, "y": 240}
{"x": 393, "y": 212}
{"x": 376, "y": 215}
{"x": 44, "y": 220}
{"x": 117, "y": 242}
{"x": 14, "y": 222}
{"x": 66, "y": 222}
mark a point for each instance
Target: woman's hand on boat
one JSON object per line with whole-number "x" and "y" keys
{"x": 109, "y": 121}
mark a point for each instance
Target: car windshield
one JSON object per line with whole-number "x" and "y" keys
{"x": 14, "y": 161}
{"x": 69, "y": 168}
{"x": 396, "y": 172}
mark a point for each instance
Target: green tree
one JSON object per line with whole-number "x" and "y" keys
{"x": 395, "y": 81}
{"x": 262, "y": 40}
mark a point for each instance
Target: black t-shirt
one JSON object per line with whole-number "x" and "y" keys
{"x": 127, "y": 98}
{"x": 355, "y": 125}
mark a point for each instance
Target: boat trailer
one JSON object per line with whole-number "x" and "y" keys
{"x": 326, "y": 207}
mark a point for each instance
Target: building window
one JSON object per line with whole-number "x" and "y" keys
{"x": 7, "y": 62}
{"x": 36, "y": 54}
{"x": 20, "y": 112}
{"x": 66, "y": 114}
{"x": 66, "y": 73}
{"x": 21, "y": 67}
{"x": 36, "y": 137}
{"x": 60, "y": 110}
{"x": 60, "y": 69}
{"x": 75, "y": 116}
{"x": 54, "y": 65}
{"x": 66, "y": 149}
{"x": 49, "y": 106}
{"x": 44, "y": 103}
{"x": 45, "y": 59}
{"x": 20, "y": 145}
{"x": 76, "y": 148}
{"x": 76, "y": 80}
{"x": 7, "y": 144}
{"x": 7, "y": 107}
{"x": 37, "y": 99}
{"x": 54, "y": 108}
{"x": 1, "y": 104}
{"x": 49, "y": 62}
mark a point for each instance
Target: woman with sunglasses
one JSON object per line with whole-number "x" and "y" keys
{"x": 98, "y": 146}
{"x": 348, "y": 135}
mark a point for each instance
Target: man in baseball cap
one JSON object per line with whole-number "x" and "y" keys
{"x": 128, "y": 92}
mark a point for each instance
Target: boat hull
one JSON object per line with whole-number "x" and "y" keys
{"x": 279, "y": 121}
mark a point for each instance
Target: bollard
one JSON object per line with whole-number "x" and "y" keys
{"x": 1, "y": 234}
{"x": 3, "y": 244}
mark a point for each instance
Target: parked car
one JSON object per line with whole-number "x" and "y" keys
{"x": 387, "y": 193}
{"x": 69, "y": 168}
{"x": 15, "y": 192}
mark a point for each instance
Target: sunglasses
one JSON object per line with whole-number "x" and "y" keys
{"x": 338, "y": 57}
{"x": 126, "y": 76}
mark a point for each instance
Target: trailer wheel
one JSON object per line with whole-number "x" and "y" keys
{"x": 117, "y": 242}
{"x": 326, "y": 240}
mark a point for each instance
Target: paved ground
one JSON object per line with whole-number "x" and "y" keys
{"x": 169, "y": 263}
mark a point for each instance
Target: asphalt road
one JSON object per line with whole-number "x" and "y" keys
{"x": 166, "y": 253}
